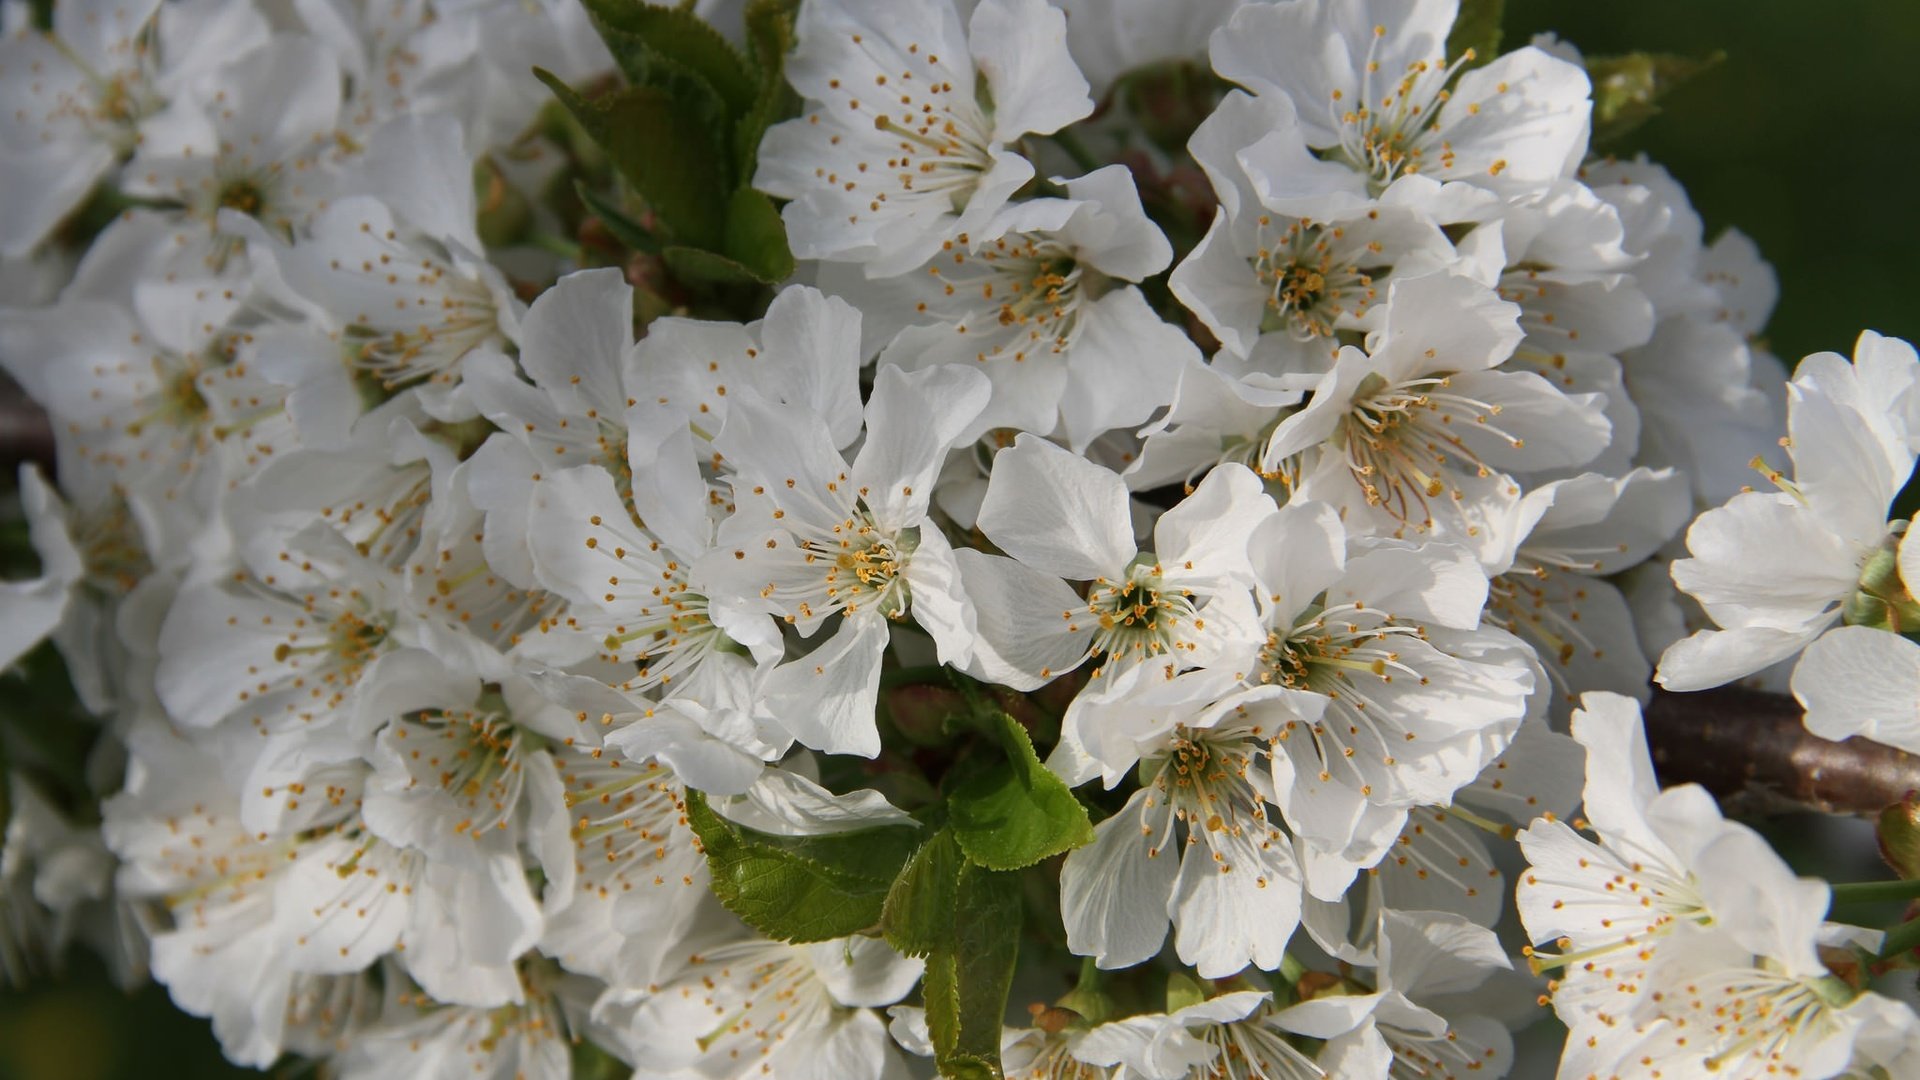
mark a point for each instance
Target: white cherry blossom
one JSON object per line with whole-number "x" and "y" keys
{"x": 817, "y": 537}
{"x": 1035, "y": 299}
{"x": 85, "y": 94}
{"x": 1424, "y": 955}
{"x": 1194, "y": 845}
{"x": 1372, "y": 649}
{"x": 1775, "y": 570}
{"x": 737, "y": 1006}
{"x": 1419, "y": 433}
{"x": 909, "y": 136}
{"x": 1374, "y": 90}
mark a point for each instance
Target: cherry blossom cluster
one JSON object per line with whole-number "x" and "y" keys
{"x": 1318, "y": 491}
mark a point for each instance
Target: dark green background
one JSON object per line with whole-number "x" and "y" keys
{"x": 1804, "y": 138}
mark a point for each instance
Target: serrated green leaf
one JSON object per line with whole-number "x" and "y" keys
{"x": 769, "y": 26}
{"x": 1016, "y": 812}
{"x": 965, "y": 989}
{"x": 671, "y": 159}
{"x": 1627, "y": 90}
{"x": 695, "y": 266}
{"x": 644, "y": 66}
{"x": 918, "y": 917}
{"x": 801, "y": 888}
{"x": 1477, "y": 27}
{"x": 683, "y": 38}
{"x": 754, "y": 250}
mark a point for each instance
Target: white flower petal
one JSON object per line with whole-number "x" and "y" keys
{"x": 1856, "y": 680}
{"x": 1057, "y": 512}
{"x": 827, "y": 697}
{"x": 1020, "y": 47}
{"x": 913, "y": 419}
{"x": 1114, "y": 892}
{"x": 1027, "y": 635}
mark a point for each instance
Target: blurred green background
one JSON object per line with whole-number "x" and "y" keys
{"x": 1804, "y": 138}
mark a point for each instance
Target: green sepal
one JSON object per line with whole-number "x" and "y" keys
{"x": 1016, "y": 813}
{"x": 801, "y": 888}
{"x": 641, "y": 34}
{"x": 1090, "y": 999}
{"x": 1183, "y": 990}
{"x": 1627, "y": 90}
{"x": 1476, "y": 27}
{"x": 671, "y": 158}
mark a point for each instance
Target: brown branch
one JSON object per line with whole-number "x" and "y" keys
{"x": 1751, "y": 750}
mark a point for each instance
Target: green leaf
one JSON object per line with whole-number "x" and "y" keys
{"x": 1477, "y": 27}
{"x": 801, "y": 888}
{"x": 965, "y": 988}
{"x": 1016, "y": 812}
{"x": 618, "y": 223}
{"x": 683, "y": 38}
{"x": 918, "y": 918}
{"x": 755, "y": 248}
{"x": 769, "y": 25}
{"x": 643, "y": 66}
{"x": 757, "y": 238}
{"x": 695, "y": 266}
{"x": 666, "y": 153}
{"x": 1627, "y": 90}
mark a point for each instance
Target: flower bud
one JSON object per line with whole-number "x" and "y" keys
{"x": 1898, "y": 832}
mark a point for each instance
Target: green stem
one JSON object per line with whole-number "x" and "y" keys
{"x": 1870, "y": 892}
{"x": 1089, "y": 996}
{"x": 1077, "y": 150}
{"x": 1900, "y": 940}
{"x": 558, "y": 245}
{"x": 1286, "y": 981}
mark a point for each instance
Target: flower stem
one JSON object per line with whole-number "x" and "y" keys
{"x": 558, "y": 245}
{"x": 1900, "y": 940}
{"x": 1868, "y": 892}
{"x": 1077, "y": 150}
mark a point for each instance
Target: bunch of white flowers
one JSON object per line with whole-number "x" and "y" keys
{"x": 819, "y": 530}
